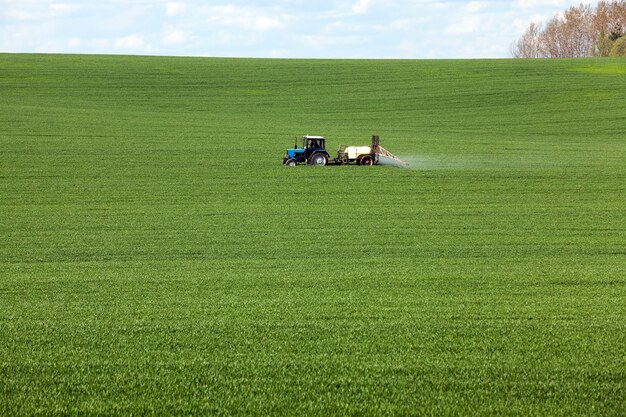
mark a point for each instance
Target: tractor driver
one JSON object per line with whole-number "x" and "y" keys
{"x": 313, "y": 144}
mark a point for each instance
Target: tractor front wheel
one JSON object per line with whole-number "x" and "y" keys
{"x": 318, "y": 159}
{"x": 290, "y": 162}
{"x": 367, "y": 160}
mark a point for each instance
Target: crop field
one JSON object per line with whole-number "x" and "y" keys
{"x": 157, "y": 258}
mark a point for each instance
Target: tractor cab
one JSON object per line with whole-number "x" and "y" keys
{"x": 314, "y": 143}
{"x": 313, "y": 152}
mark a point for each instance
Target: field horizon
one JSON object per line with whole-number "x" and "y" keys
{"x": 157, "y": 258}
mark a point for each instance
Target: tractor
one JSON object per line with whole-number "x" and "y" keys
{"x": 313, "y": 152}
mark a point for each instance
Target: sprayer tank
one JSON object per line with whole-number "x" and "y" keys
{"x": 353, "y": 152}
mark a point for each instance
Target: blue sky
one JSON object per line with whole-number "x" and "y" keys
{"x": 278, "y": 28}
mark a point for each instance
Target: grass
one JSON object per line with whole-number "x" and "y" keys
{"x": 156, "y": 258}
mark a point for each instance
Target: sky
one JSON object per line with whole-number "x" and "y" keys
{"x": 412, "y": 29}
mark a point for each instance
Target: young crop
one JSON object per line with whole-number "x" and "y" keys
{"x": 156, "y": 258}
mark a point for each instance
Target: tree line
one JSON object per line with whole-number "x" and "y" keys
{"x": 581, "y": 31}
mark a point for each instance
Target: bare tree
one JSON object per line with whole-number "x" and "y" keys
{"x": 569, "y": 35}
{"x": 528, "y": 45}
{"x": 578, "y": 32}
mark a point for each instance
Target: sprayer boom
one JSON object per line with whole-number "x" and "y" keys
{"x": 380, "y": 151}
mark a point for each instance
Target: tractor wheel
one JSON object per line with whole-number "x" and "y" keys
{"x": 290, "y": 162}
{"x": 318, "y": 159}
{"x": 367, "y": 160}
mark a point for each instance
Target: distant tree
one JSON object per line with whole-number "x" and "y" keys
{"x": 578, "y": 32}
{"x": 609, "y": 17}
{"x": 619, "y": 47}
{"x": 604, "y": 45}
{"x": 528, "y": 46}
{"x": 569, "y": 35}
{"x": 617, "y": 32}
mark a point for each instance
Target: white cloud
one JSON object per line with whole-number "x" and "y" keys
{"x": 74, "y": 43}
{"x": 279, "y": 53}
{"x": 63, "y": 8}
{"x": 175, "y": 37}
{"x": 521, "y": 25}
{"x": 100, "y": 44}
{"x": 130, "y": 42}
{"x": 173, "y": 8}
{"x": 264, "y": 23}
{"x": 401, "y": 24}
{"x": 539, "y": 3}
{"x": 246, "y": 17}
{"x": 332, "y": 42}
{"x": 467, "y": 24}
{"x": 13, "y": 14}
{"x": 361, "y": 6}
{"x": 476, "y": 6}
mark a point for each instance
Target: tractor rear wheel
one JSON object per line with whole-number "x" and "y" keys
{"x": 367, "y": 160}
{"x": 290, "y": 162}
{"x": 318, "y": 159}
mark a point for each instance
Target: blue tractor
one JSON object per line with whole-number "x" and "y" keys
{"x": 313, "y": 152}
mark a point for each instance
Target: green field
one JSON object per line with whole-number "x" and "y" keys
{"x": 157, "y": 258}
